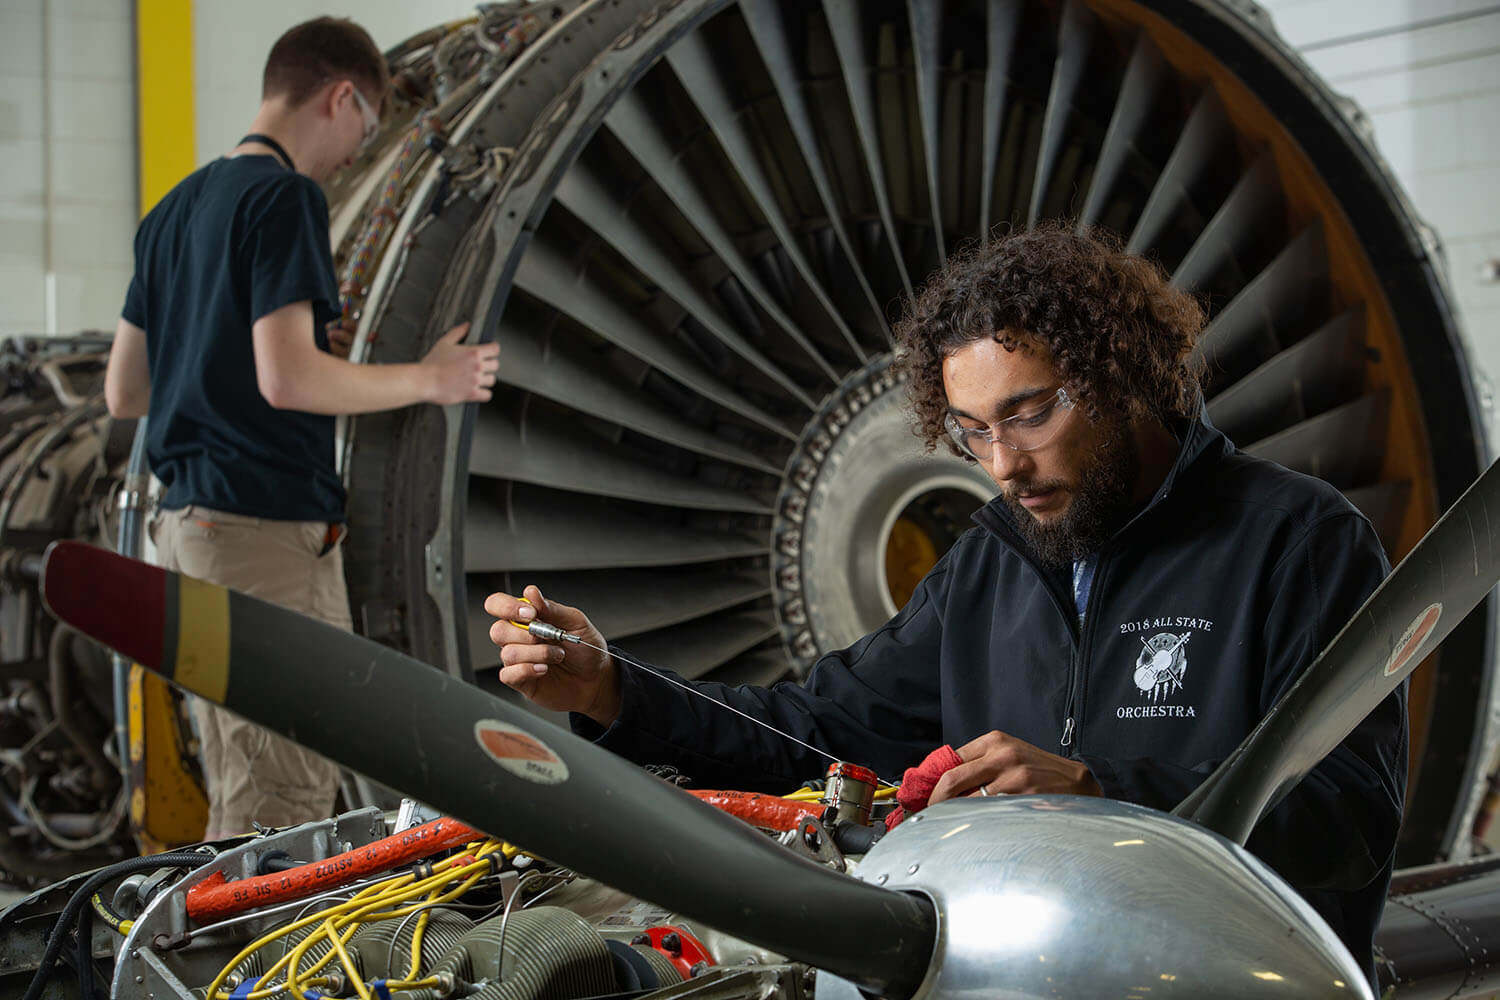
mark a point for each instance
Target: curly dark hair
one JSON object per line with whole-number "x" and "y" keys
{"x": 1120, "y": 337}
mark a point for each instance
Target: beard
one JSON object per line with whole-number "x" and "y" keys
{"x": 1101, "y": 504}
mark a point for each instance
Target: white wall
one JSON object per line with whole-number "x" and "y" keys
{"x": 231, "y": 39}
{"x": 1427, "y": 73}
{"x": 67, "y": 166}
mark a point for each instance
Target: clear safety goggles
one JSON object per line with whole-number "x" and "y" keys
{"x": 1026, "y": 431}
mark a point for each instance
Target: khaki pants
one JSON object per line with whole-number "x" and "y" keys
{"x": 253, "y": 775}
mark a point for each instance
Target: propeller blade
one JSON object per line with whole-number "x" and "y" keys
{"x": 1437, "y": 584}
{"x": 487, "y": 763}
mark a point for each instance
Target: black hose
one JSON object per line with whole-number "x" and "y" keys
{"x": 107, "y": 913}
{"x": 80, "y": 899}
{"x": 59, "y": 661}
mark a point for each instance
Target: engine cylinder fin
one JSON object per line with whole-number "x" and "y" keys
{"x": 1206, "y": 140}
{"x": 1314, "y": 375}
{"x": 546, "y": 275}
{"x": 1075, "y": 37}
{"x": 382, "y": 950}
{"x": 703, "y": 81}
{"x": 695, "y": 648}
{"x": 1286, "y": 299}
{"x": 1385, "y": 504}
{"x": 1344, "y": 446}
{"x": 522, "y": 527}
{"x": 1002, "y": 30}
{"x": 926, "y": 24}
{"x": 627, "y": 602}
{"x": 631, "y": 123}
{"x": 547, "y": 451}
{"x": 547, "y": 952}
{"x": 846, "y": 24}
{"x": 1251, "y": 213}
{"x": 1140, "y": 93}
{"x": 562, "y": 379}
{"x": 767, "y": 29}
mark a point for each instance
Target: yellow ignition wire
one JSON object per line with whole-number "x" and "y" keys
{"x": 430, "y": 983}
{"x": 813, "y": 795}
{"x": 389, "y": 892}
{"x": 347, "y": 960}
{"x": 366, "y": 914}
{"x": 110, "y": 917}
{"x": 294, "y": 973}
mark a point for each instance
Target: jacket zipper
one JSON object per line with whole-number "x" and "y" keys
{"x": 1085, "y": 637}
{"x": 1070, "y": 618}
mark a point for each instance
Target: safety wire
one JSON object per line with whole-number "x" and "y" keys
{"x": 388, "y": 899}
{"x": 548, "y": 632}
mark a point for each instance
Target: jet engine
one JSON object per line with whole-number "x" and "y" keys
{"x": 689, "y": 225}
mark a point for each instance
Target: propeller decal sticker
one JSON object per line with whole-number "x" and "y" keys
{"x": 1411, "y": 640}
{"x": 520, "y": 753}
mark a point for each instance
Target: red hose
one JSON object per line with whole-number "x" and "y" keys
{"x": 216, "y": 898}
{"x": 769, "y": 812}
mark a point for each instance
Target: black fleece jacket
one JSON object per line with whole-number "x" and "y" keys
{"x": 1204, "y": 609}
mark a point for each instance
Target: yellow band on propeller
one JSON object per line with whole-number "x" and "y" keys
{"x": 202, "y": 639}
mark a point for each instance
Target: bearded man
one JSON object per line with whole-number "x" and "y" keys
{"x": 1130, "y": 605}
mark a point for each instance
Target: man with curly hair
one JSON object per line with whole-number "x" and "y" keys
{"x": 1128, "y": 607}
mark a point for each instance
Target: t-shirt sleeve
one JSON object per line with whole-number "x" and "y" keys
{"x": 287, "y": 253}
{"x": 134, "y": 310}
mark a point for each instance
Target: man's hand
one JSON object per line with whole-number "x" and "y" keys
{"x": 562, "y": 678}
{"x": 1003, "y": 765}
{"x": 460, "y": 373}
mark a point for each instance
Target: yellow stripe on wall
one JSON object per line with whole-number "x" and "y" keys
{"x": 164, "y": 92}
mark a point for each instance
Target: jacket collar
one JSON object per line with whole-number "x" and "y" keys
{"x": 1199, "y": 442}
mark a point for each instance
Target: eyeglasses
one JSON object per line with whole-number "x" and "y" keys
{"x": 1022, "y": 432}
{"x": 372, "y": 120}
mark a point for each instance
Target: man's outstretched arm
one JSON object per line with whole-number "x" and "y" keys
{"x": 293, "y": 374}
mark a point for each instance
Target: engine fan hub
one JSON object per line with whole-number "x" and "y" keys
{"x": 863, "y": 513}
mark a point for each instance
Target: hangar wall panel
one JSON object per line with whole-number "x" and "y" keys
{"x": 67, "y": 174}
{"x": 231, "y": 41}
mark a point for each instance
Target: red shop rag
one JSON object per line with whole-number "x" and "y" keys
{"x": 918, "y": 782}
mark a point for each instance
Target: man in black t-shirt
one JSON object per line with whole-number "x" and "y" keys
{"x": 223, "y": 341}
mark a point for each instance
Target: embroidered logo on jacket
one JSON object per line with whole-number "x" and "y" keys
{"x": 1161, "y": 665}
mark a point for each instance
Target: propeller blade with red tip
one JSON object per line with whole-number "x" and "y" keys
{"x": 490, "y": 764}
